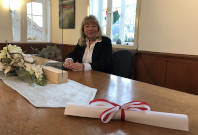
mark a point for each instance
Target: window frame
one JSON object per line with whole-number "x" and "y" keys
{"x": 108, "y": 32}
{"x": 22, "y": 20}
{"x": 46, "y": 21}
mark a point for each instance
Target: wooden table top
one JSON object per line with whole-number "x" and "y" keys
{"x": 19, "y": 117}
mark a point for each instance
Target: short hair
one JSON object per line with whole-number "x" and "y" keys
{"x": 82, "y": 40}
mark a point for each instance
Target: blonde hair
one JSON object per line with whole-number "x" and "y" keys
{"x": 82, "y": 40}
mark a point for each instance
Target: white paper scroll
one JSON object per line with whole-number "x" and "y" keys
{"x": 160, "y": 119}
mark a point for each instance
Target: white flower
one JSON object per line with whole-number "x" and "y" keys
{"x": 8, "y": 55}
{"x": 14, "y": 49}
{"x": 38, "y": 71}
{"x": 28, "y": 67}
{"x": 28, "y": 59}
{"x": 3, "y": 54}
{"x": 20, "y": 63}
{"x": 1, "y": 66}
{"x": 8, "y": 69}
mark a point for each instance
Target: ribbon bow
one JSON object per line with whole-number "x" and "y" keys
{"x": 107, "y": 115}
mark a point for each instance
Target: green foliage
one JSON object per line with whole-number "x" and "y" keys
{"x": 41, "y": 82}
{"x": 129, "y": 39}
{"x": 116, "y": 17}
{"x": 6, "y": 60}
{"x": 51, "y": 52}
{"x": 27, "y": 77}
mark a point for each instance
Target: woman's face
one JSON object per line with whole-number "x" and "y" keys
{"x": 90, "y": 30}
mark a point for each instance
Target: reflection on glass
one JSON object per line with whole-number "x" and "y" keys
{"x": 34, "y": 21}
{"x": 117, "y": 23}
{"x": 37, "y": 8}
{"x": 38, "y": 20}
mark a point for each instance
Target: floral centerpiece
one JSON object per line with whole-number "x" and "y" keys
{"x": 12, "y": 59}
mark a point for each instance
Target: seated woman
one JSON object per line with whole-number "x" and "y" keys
{"x": 93, "y": 51}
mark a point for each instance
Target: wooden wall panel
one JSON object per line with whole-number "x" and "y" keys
{"x": 179, "y": 72}
{"x": 150, "y": 69}
{"x": 182, "y": 75}
{"x": 67, "y": 49}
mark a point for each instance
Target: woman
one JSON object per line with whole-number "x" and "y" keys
{"x": 93, "y": 51}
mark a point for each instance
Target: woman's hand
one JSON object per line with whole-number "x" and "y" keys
{"x": 67, "y": 63}
{"x": 76, "y": 66}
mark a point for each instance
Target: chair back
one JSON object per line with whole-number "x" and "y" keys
{"x": 122, "y": 63}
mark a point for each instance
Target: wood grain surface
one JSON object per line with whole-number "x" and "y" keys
{"x": 19, "y": 117}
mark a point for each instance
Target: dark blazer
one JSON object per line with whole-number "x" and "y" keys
{"x": 101, "y": 57}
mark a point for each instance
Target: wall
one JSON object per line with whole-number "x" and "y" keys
{"x": 70, "y": 36}
{"x": 169, "y": 26}
{"x": 5, "y": 23}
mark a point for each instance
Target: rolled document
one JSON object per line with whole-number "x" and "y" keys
{"x": 160, "y": 119}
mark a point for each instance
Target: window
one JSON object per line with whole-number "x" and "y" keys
{"x": 16, "y": 26}
{"x": 36, "y": 28}
{"x": 117, "y": 19}
{"x": 37, "y": 21}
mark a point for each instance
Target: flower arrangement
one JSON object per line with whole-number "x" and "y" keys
{"x": 12, "y": 59}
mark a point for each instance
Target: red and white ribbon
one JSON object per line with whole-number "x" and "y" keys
{"x": 107, "y": 115}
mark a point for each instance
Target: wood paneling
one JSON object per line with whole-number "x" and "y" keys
{"x": 67, "y": 49}
{"x": 182, "y": 75}
{"x": 150, "y": 69}
{"x": 27, "y": 47}
{"x": 179, "y": 72}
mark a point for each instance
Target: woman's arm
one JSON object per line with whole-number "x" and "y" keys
{"x": 77, "y": 53}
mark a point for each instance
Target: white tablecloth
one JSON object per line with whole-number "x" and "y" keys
{"x": 52, "y": 95}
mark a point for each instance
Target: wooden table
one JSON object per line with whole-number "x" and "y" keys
{"x": 19, "y": 117}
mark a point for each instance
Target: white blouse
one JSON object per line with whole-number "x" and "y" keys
{"x": 87, "y": 57}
